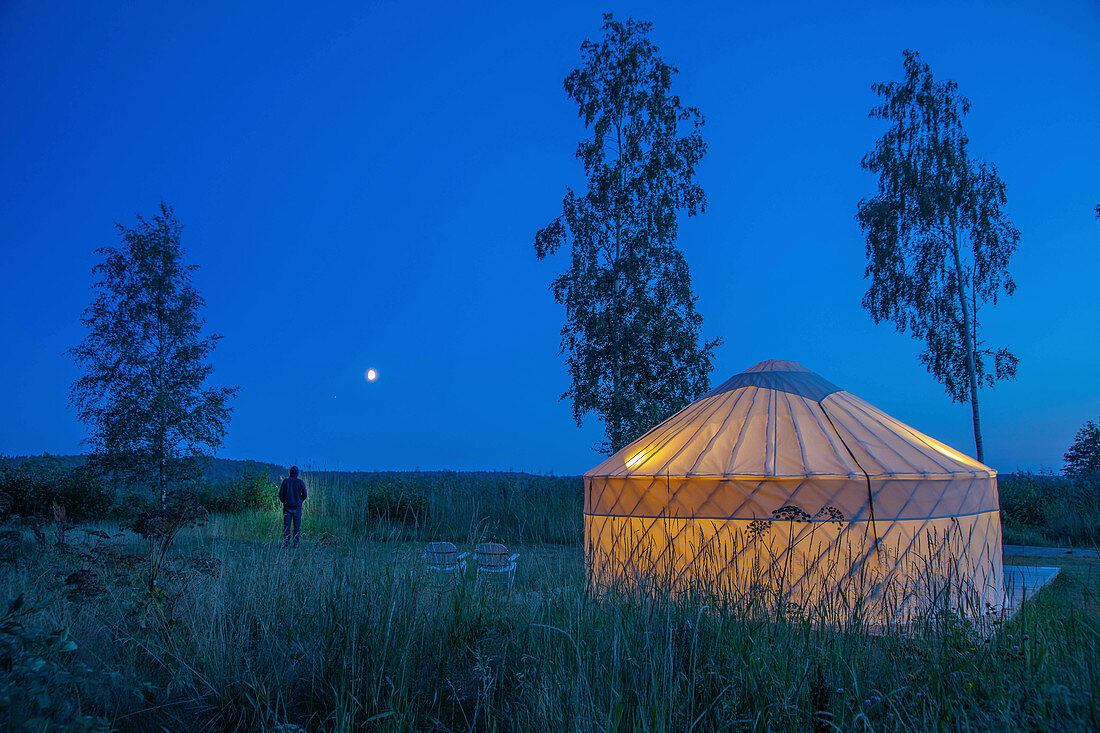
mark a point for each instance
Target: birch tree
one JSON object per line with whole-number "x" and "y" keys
{"x": 938, "y": 239}
{"x": 145, "y": 361}
{"x": 631, "y": 333}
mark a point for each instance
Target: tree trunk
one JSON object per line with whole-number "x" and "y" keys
{"x": 978, "y": 447}
{"x": 969, "y": 339}
{"x": 162, "y": 427}
{"x": 616, "y": 412}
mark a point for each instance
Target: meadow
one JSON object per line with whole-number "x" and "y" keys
{"x": 348, "y": 633}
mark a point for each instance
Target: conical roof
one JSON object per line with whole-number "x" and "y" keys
{"x": 779, "y": 420}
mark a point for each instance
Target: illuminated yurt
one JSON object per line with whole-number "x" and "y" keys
{"x": 779, "y": 479}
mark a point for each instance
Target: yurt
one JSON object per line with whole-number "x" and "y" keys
{"x": 780, "y": 484}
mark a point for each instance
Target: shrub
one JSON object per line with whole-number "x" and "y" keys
{"x": 38, "y": 677}
{"x": 397, "y": 500}
{"x": 30, "y": 488}
{"x": 1022, "y": 498}
{"x": 1057, "y": 509}
{"x": 253, "y": 490}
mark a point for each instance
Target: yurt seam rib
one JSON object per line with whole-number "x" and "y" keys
{"x": 870, "y": 497}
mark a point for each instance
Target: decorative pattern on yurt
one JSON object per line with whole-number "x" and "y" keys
{"x": 778, "y": 482}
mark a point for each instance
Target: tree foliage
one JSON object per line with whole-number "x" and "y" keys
{"x": 938, "y": 240}
{"x": 145, "y": 361}
{"x": 1083, "y": 457}
{"x": 631, "y": 334}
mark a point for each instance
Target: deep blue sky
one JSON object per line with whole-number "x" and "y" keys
{"x": 361, "y": 183}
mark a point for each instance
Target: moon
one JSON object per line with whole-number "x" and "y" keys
{"x": 371, "y": 375}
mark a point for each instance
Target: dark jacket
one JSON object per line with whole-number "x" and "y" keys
{"x": 292, "y": 493}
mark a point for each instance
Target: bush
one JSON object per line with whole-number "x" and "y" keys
{"x": 397, "y": 500}
{"x": 1056, "y": 509}
{"x": 39, "y": 682}
{"x": 1022, "y": 498}
{"x": 30, "y": 488}
{"x": 253, "y": 490}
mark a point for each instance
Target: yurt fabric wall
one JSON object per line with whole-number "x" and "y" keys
{"x": 780, "y": 478}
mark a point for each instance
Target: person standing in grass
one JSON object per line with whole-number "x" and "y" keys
{"x": 292, "y": 493}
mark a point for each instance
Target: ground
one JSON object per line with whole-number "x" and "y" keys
{"x": 346, "y": 633}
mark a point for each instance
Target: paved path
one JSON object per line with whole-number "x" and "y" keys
{"x": 1048, "y": 551}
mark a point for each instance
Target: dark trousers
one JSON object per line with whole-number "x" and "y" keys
{"x": 291, "y": 516}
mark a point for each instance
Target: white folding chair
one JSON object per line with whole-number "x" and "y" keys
{"x": 494, "y": 564}
{"x": 444, "y": 561}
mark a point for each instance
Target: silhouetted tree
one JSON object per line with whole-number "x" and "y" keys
{"x": 145, "y": 360}
{"x": 631, "y": 334}
{"x": 1083, "y": 457}
{"x": 938, "y": 240}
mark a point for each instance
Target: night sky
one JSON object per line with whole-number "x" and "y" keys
{"x": 361, "y": 183}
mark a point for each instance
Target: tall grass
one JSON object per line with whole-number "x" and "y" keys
{"x": 461, "y": 507}
{"x": 347, "y": 634}
{"x": 1044, "y": 509}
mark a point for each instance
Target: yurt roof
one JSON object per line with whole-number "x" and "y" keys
{"x": 780, "y": 420}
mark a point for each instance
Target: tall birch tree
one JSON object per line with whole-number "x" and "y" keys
{"x": 938, "y": 239}
{"x": 631, "y": 333}
{"x": 145, "y": 361}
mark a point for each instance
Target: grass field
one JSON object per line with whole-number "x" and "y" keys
{"x": 347, "y": 633}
